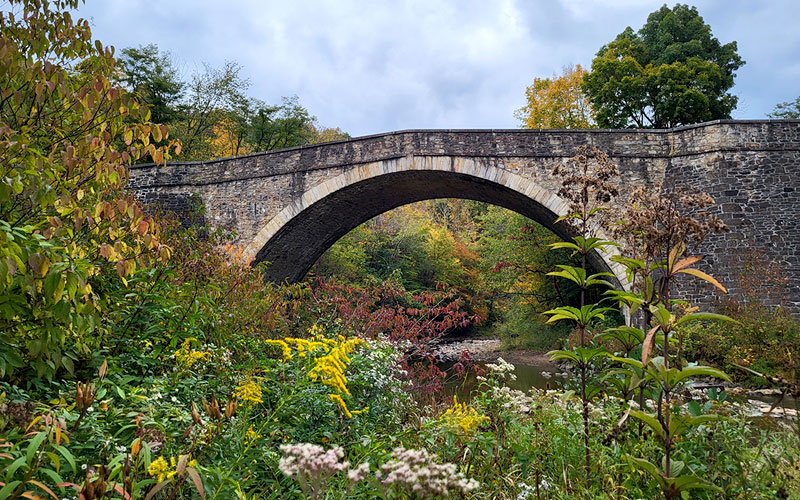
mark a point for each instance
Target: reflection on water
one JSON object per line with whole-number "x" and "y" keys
{"x": 528, "y": 376}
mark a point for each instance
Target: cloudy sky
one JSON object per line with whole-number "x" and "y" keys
{"x": 376, "y": 66}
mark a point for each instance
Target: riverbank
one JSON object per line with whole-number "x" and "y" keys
{"x": 534, "y": 369}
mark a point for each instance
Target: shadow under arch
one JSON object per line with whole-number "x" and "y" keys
{"x": 293, "y": 240}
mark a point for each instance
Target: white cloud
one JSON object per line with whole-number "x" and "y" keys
{"x": 376, "y": 66}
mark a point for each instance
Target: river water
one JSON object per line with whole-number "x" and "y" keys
{"x": 535, "y": 370}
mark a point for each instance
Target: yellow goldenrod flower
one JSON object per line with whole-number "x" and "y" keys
{"x": 338, "y": 399}
{"x": 249, "y": 391}
{"x": 287, "y": 351}
{"x": 187, "y": 356}
{"x": 250, "y": 435}
{"x": 463, "y": 418}
{"x": 161, "y": 469}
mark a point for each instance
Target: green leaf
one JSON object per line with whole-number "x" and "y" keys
{"x": 706, "y": 316}
{"x": 68, "y": 457}
{"x": 564, "y": 244}
{"x": 54, "y": 458}
{"x": 12, "y": 469}
{"x": 33, "y": 447}
{"x": 651, "y": 422}
{"x": 563, "y": 355}
{"x": 645, "y": 466}
{"x": 692, "y": 482}
{"x": 6, "y": 491}
{"x": 699, "y": 371}
{"x": 54, "y": 477}
{"x": 68, "y": 365}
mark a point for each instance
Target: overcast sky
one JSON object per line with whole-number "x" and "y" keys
{"x": 377, "y": 65}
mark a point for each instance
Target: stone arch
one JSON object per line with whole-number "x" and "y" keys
{"x": 296, "y": 237}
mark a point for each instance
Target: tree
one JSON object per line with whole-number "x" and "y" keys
{"x": 284, "y": 126}
{"x": 212, "y": 96}
{"x": 212, "y": 114}
{"x": 672, "y": 72}
{"x": 318, "y": 135}
{"x": 67, "y": 225}
{"x": 790, "y": 110}
{"x": 557, "y": 102}
{"x": 151, "y": 74}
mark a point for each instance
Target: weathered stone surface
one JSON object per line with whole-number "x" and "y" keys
{"x": 288, "y": 206}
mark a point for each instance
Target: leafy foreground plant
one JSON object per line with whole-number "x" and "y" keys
{"x": 657, "y": 224}
{"x": 67, "y": 135}
{"x": 585, "y": 183}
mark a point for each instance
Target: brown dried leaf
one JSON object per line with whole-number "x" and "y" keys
{"x": 647, "y": 345}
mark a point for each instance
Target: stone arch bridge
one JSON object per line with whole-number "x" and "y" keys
{"x": 287, "y": 207}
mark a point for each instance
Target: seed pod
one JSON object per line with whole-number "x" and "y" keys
{"x": 103, "y": 370}
{"x": 230, "y": 408}
{"x": 196, "y": 416}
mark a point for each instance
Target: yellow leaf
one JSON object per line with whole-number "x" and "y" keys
{"x": 686, "y": 262}
{"x": 705, "y": 277}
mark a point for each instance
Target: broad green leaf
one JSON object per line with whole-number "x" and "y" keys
{"x": 12, "y": 469}
{"x": 651, "y": 422}
{"x": 68, "y": 457}
{"x": 563, "y": 355}
{"x": 692, "y": 482}
{"x": 6, "y": 491}
{"x": 699, "y": 371}
{"x": 33, "y": 446}
{"x": 706, "y": 316}
{"x": 645, "y": 466}
{"x": 565, "y": 244}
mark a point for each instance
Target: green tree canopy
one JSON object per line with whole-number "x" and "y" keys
{"x": 212, "y": 113}
{"x": 67, "y": 226}
{"x": 786, "y": 110}
{"x": 672, "y": 72}
{"x": 151, "y": 75}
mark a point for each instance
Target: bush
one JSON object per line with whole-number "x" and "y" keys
{"x": 765, "y": 339}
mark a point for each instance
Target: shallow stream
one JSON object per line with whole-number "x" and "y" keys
{"x": 536, "y": 370}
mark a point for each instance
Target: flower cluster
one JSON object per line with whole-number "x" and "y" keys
{"x": 308, "y": 462}
{"x": 512, "y": 399}
{"x": 311, "y": 465}
{"x": 187, "y": 356}
{"x": 161, "y": 469}
{"x": 503, "y": 370}
{"x": 304, "y": 346}
{"x": 330, "y": 360}
{"x": 316, "y": 329}
{"x": 462, "y": 418}
{"x": 415, "y": 472}
{"x": 249, "y": 390}
{"x": 251, "y": 435}
{"x": 329, "y": 369}
{"x": 287, "y": 351}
